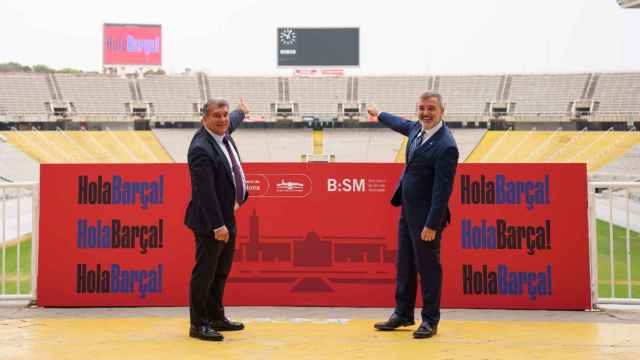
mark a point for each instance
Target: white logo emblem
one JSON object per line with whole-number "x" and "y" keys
{"x": 289, "y": 186}
{"x": 287, "y": 37}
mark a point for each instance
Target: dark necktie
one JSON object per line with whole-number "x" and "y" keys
{"x": 235, "y": 167}
{"x": 416, "y": 142}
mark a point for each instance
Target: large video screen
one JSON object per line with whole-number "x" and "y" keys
{"x": 318, "y": 46}
{"x": 131, "y": 44}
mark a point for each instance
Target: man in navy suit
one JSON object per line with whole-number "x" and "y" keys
{"x": 423, "y": 192}
{"x": 218, "y": 188}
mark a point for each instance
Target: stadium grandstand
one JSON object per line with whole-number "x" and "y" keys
{"x": 596, "y": 101}
{"x": 584, "y": 117}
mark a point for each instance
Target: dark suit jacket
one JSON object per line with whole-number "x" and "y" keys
{"x": 212, "y": 187}
{"x": 427, "y": 181}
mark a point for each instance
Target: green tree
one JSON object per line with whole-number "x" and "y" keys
{"x": 39, "y": 68}
{"x": 155, "y": 72}
{"x": 70, "y": 71}
{"x": 14, "y": 67}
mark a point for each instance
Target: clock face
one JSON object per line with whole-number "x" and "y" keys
{"x": 287, "y": 37}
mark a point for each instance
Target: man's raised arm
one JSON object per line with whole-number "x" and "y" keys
{"x": 393, "y": 122}
{"x": 238, "y": 115}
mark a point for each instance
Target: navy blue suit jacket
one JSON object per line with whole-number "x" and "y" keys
{"x": 427, "y": 181}
{"x": 212, "y": 187}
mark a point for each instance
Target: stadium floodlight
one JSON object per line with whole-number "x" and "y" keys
{"x": 629, "y": 4}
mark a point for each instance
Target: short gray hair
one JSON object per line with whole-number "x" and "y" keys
{"x": 432, "y": 94}
{"x": 212, "y": 104}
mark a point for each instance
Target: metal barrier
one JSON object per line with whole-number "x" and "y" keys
{"x": 617, "y": 204}
{"x": 19, "y": 209}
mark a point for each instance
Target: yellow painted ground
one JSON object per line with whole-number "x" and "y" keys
{"x": 400, "y": 154}
{"x": 89, "y": 146}
{"x": 318, "y": 142}
{"x": 595, "y": 148}
{"x": 166, "y": 338}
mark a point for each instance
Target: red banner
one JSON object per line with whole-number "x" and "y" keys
{"x": 519, "y": 238}
{"x": 313, "y": 234}
{"x": 126, "y": 44}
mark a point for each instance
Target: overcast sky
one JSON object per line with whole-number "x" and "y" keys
{"x": 397, "y": 37}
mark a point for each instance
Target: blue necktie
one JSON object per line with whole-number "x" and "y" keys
{"x": 235, "y": 167}
{"x": 416, "y": 142}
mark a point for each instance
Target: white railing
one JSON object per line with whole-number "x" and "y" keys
{"x": 19, "y": 213}
{"x": 618, "y": 204}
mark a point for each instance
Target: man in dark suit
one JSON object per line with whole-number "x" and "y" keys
{"x": 218, "y": 188}
{"x": 423, "y": 192}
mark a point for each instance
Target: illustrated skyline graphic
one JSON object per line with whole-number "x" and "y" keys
{"x": 312, "y": 262}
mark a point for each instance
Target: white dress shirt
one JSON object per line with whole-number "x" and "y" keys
{"x": 427, "y": 133}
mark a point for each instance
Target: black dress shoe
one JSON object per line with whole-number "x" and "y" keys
{"x": 394, "y": 322}
{"x": 205, "y": 332}
{"x": 425, "y": 331}
{"x": 226, "y": 325}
